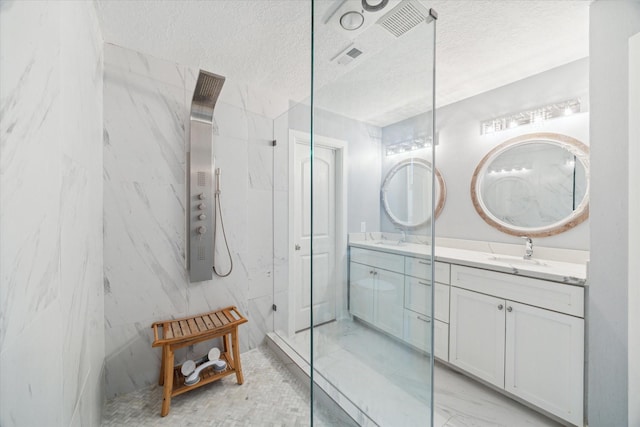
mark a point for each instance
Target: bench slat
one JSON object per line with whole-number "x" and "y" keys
{"x": 167, "y": 331}
{"x": 201, "y": 326}
{"x": 222, "y": 318}
{"x": 215, "y": 320}
{"x": 193, "y": 326}
{"x": 185, "y": 328}
{"x": 175, "y": 326}
{"x": 208, "y": 321}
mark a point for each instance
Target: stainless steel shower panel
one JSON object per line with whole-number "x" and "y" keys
{"x": 200, "y": 210}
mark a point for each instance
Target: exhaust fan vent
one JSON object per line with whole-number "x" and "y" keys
{"x": 404, "y": 17}
{"x": 346, "y": 56}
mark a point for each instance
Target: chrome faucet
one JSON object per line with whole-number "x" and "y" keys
{"x": 404, "y": 236}
{"x": 528, "y": 247}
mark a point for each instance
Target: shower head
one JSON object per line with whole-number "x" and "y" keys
{"x": 205, "y": 96}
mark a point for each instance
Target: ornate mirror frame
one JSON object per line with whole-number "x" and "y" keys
{"x": 441, "y": 192}
{"x": 579, "y": 215}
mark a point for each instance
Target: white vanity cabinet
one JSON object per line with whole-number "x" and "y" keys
{"x": 376, "y": 282}
{"x": 417, "y": 302}
{"x": 521, "y": 334}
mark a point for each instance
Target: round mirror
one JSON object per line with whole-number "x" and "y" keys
{"x": 406, "y": 193}
{"x": 535, "y": 185}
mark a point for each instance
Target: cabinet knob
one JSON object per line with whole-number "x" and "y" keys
{"x": 500, "y": 307}
{"x": 509, "y": 309}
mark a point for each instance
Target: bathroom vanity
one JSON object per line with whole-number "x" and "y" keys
{"x": 515, "y": 324}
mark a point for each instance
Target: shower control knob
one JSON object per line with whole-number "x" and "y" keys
{"x": 201, "y": 230}
{"x": 202, "y": 217}
{"x": 202, "y": 206}
{"x": 201, "y": 196}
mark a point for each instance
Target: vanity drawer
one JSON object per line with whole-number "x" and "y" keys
{"x": 554, "y": 296}
{"x": 417, "y": 332}
{"x": 383, "y": 260}
{"x": 421, "y": 268}
{"x": 417, "y": 297}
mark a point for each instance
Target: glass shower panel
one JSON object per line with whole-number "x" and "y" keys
{"x": 352, "y": 209}
{"x": 369, "y": 235}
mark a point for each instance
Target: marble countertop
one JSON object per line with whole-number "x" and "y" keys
{"x": 556, "y": 271}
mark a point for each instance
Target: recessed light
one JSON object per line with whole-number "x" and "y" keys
{"x": 352, "y": 20}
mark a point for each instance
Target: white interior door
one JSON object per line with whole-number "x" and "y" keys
{"x": 324, "y": 239}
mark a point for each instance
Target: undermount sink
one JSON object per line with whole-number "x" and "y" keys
{"x": 514, "y": 260}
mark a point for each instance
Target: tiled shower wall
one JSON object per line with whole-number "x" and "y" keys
{"x": 51, "y": 300}
{"x": 146, "y": 130}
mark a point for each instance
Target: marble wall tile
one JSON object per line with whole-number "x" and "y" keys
{"x": 260, "y": 319}
{"x": 131, "y": 363}
{"x": 130, "y": 62}
{"x": 75, "y": 282}
{"x": 261, "y": 165}
{"x": 144, "y": 129}
{"x": 144, "y": 251}
{"x": 31, "y": 391}
{"x": 260, "y": 249}
{"x": 51, "y": 211}
{"x": 29, "y": 164}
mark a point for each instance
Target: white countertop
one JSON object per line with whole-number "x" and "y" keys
{"x": 556, "y": 271}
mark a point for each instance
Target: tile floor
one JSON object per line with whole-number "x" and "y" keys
{"x": 397, "y": 381}
{"x": 271, "y": 395}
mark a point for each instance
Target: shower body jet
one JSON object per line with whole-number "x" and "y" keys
{"x": 200, "y": 206}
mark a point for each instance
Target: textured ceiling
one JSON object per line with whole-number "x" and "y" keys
{"x": 481, "y": 45}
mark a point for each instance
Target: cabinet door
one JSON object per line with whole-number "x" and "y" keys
{"x": 361, "y": 285}
{"x": 476, "y": 341}
{"x": 544, "y": 359}
{"x": 389, "y": 301}
{"x": 441, "y": 340}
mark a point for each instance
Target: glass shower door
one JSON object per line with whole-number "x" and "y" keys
{"x": 369, "y": 187}
{"x": 353, "y": 202}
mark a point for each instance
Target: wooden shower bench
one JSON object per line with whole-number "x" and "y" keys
{"x": 178, "y": 333}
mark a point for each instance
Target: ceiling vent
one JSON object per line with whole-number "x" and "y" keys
{"x": 404, "y": 17}
{"x": 348, "y": 55}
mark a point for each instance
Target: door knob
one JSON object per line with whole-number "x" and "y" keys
{"x": 297, "y": 247}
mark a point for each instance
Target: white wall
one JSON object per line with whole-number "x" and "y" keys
{"x": 461, "y": 147}
{"x": 146, "y": 112}
{"x": 611, "y": 25}
{"x": 634, "y": 226}
{"x": 51, "y": 298}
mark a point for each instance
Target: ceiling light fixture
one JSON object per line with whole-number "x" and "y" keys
{"x": 374, "y": 5}
{"x": 534, "y": 115}
{"x": 351, "y": 20}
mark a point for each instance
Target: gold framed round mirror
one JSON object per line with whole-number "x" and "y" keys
{"x": 534, "y": 185}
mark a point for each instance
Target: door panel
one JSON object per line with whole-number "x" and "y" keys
{"x": 477, "y": 334}
{"x": 544, "y": 359}
{"x": 324, "y": 241}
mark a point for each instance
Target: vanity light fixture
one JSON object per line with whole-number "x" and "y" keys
{"x": 534, "y": 115}
{"x": 407, "y": 145}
